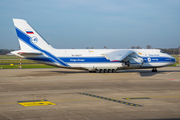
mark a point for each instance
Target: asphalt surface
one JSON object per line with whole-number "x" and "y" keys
{"x": 63, "y": 94}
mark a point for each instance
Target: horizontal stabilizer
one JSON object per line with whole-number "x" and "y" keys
{"x": 29, "y": 53}
{"x": 26, "y": 53}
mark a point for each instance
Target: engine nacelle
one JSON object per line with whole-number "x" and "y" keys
{"x": 134, "y": 62}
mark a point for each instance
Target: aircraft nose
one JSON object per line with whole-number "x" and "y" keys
{"x": 173, "y": 61}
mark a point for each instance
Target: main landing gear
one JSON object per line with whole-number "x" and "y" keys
{"x": 103, "y": 71}
{"x": 154, "y": 70}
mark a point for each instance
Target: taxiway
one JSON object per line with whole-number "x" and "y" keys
{"x": 60, "y": 94}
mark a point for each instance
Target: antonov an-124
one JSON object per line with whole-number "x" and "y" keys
{"x": 34, "y": 47}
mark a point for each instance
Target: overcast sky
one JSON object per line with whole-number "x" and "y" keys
{"x": 94, "y": 23}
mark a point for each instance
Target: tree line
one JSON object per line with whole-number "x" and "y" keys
{"x": 171, "y": 51}
{"x": 168, "y": 51}
{"x": 5, "y": 51}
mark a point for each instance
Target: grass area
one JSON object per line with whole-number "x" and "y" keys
{"x": 176, "y": 57}
{"x": 16, "y": 61}
{"x": 11, "y": 59}
{"x": 8, "y": 57}
{"x": 177, "y": 60}
{"x": 175, "y": 65}
{"x": 25, "y": 66}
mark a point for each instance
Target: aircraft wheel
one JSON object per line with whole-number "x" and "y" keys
{"x": 101, "y": 71}
{"x": 109, "y": 71}
{"x": 105, "y": 71}
{"x": 97, "y": 71}
{"x": 113, "y": 71}
{"x": 154, "y": 70}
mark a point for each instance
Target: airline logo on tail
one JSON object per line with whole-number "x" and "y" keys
{"x": 34, "y": 39}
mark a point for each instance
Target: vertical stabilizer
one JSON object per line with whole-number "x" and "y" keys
{"x": 28, "y": 38}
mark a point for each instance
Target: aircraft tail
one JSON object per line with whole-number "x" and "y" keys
{"x": 28, "y": 38}
{"x": 33, "y": 45}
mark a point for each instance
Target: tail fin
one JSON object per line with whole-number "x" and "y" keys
{"x": 28, "y": 38}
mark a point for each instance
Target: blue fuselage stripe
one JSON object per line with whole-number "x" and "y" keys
{"x": 103, "y": 59}
{"x": 158, "y": 59}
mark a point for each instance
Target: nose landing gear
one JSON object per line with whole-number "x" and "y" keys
{"x": 154, "y": 70}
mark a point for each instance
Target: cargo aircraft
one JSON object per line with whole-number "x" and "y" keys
{"x": 34, "y": 47}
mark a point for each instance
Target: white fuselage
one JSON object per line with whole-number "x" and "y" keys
{"x": 92, "y": 59}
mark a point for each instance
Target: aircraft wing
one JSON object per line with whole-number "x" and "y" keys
{"x": 118, "y": 55}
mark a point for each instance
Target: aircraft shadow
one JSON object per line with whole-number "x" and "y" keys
{"x": 163, "y": 119}
{"x": 142, "y": 72}
{"x": 148, "y": 72}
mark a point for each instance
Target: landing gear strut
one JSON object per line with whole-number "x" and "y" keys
{"x": 154, "y": 70}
